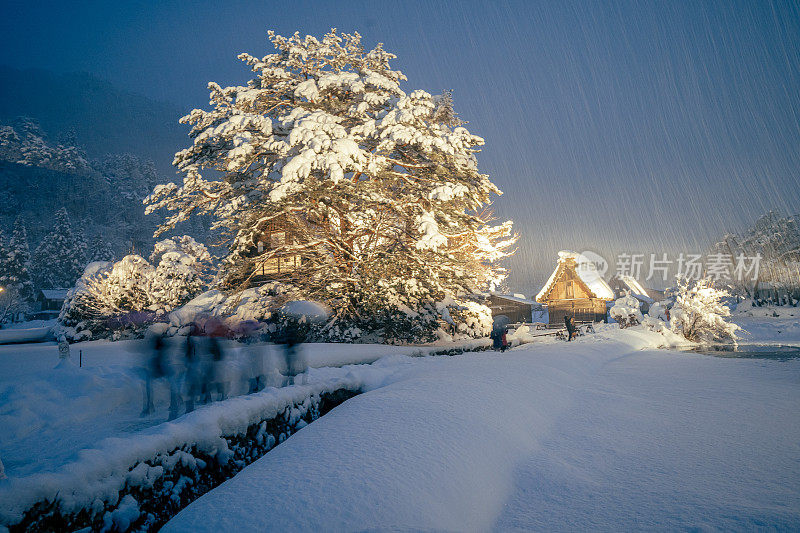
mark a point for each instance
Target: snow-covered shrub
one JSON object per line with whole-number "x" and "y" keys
{"x": 256, "y": 304}
{"x": 104, "y": 292}
{"x": 626, "y": 311}
{"x": 656, "y": 318}
{"x": 699, "y": 313}
{"x": 181, "y": 271}
{"x": 471, "y": 319}
{"x": 124, "y": 297}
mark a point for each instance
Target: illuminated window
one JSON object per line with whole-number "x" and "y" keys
{"x": 278, "y": 239}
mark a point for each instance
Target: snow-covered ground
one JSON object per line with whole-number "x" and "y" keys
{"x": 47, "y": 414}
{"x": 768, "y": 324}
{"x": 604, "y": 433}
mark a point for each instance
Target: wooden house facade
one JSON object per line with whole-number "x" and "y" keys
{"x": 275, "y": 234}
{"x": 573, "y": 291}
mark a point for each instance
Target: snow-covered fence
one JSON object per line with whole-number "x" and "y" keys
{"x": 143, "y": 480}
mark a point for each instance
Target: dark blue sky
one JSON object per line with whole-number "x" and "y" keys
{"x": 626, "y": 126}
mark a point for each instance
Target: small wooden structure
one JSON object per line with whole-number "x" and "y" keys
{"x": 275, "y": 235}
{"x": 575, "y": 289}
{"x": 49, "y": 303}
{"x": 51, "y": 299}
{"x": 515, "y": 307}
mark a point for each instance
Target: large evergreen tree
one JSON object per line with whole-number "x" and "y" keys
{"x": 3, "y": 257}
{"x": 100, "y": 250}
{"x": 60, "y": 257}
{"x": 16, "y": 270}
{"x": 379, "y": 188}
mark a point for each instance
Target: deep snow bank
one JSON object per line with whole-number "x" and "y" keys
{"x": 643, "y": 439}
{"x": 16, "y": 335}
{"x": 94, "y": 483}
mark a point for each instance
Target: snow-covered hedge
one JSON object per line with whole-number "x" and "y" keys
{"x": 141, "y": 481}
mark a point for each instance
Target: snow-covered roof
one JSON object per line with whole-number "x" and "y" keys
{"x": 55, "y": 294}
{"x": 587, "y": 273}
{"x": 636, "y": 289}
{"x": 519, "y": 298}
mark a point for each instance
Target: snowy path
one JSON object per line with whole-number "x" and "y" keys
{"x": 48, "y": 415}
{"x": 595, "y": 434}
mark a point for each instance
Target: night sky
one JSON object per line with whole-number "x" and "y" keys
{"x": 611, "y": 126}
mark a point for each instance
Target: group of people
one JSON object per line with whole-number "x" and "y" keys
{"x": 199, "y": 373}
{"x": 499, "y": 333}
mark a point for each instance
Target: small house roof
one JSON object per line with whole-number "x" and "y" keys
{"x": 589, "y": 276}
{"x": 637, "y": 290}
{"x": 55, "y": 294}
{"x": 518, "y": 298}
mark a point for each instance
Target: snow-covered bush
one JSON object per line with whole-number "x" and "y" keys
{"x": 112, "y": 298}
{"x": 626, "y": 311}
{"x": 656, "y": 318}
{"x": 181, "y": 271}
{"x": 699, "y": 313}
{"x": 471, "y": 319}
{"x": 376, "y": 190}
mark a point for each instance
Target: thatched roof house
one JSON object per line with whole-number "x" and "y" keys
{"x": 575, "y": 288}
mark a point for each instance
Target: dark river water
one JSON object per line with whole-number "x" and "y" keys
{"x": 752, "y": 351}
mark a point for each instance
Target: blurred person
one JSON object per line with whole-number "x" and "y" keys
{"x": 158, "y": 367}
{"x": 213, "y": 361}
{"x": 291, "y": 337}
{"x": 193, "y": 372}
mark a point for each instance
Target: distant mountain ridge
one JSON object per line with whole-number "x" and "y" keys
{"x": 105, "y": 119}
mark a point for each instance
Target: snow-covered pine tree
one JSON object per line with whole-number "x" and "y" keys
{"x": 25, "y": 143}
{"x": 60, "y": 258}
{"x": 100, "y": 250}
{"x": 16, "y": 271}
{"x": 81, "y": 245}
{"x": 3, "y": 257}
{"x": 378, "y": 189}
